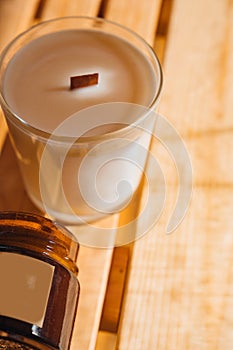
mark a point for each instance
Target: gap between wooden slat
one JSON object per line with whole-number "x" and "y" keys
{"x": 102, "y": 8}
{"x": 40, "y": 8}
{"x": 114, "y": 297}
{"x": 162, "y": 29}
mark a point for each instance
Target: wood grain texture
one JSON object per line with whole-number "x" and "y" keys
{"x": 94, "y": 265}
{"x": 13, "y": 19}
{"x": 61, "y": 8}
{"x": 180, "y": 291}
{"x": 15, "y": 16}
{"x": 180, "y": 294}
{"x": 140, "y": 16}
{"x": 198, "y": 94}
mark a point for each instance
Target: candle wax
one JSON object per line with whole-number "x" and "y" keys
{"x": 37, "y": 79}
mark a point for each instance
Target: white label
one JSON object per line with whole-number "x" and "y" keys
{"x": 25, "y": 285}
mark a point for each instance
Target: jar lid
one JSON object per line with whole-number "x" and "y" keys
{"x": 27, "y": 231}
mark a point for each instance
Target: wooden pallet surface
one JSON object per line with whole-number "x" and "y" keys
{"x": 179, "y": 291}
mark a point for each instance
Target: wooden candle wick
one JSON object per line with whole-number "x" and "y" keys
{"x": 81, "y": 81}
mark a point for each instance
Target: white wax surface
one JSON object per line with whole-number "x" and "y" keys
{"x": 36, "y": 83}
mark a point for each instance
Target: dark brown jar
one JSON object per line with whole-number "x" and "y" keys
{"x": 39, "y": 288}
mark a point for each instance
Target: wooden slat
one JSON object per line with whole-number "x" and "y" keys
{"x": 162, "y": 28}
{"x": 140, "y": 16}
{"x": 198, "y": 94}
{"x": 94, "y": 265}
{"x": 134, "y": 20}
{"x": 180, "y": 285}
{"x": 115, "y": 290}
{"x": 55, "y": 8}
{"x": 180, "y": 290}
{"x": 212, "y": 158}
{"x": 15, "y": 17}
{"x": 13, "y": 21}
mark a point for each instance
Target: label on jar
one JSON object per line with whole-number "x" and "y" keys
{"x": 25, "y": 285}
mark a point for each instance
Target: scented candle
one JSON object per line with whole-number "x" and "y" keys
{"x": 38, "y": 101}
{"x": 39, "y": 286}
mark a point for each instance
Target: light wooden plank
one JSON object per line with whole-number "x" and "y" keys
{"x": 140, "y": 16}
{"x": 181, "y": 285}
{"x": 15, "y": 17}
{"x": 135, "y": 20}
{"x": 198, "y": 68}
{"x": 94, "y": 265}
{"x": 180, "y": 290}
{"x": 60, "y": 8}
{"x": 210, "y": 156}
{"x": 13, "y": 21}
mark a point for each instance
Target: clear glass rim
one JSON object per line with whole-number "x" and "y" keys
{"x": 84, "y": 139}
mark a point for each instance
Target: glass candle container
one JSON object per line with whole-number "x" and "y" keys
{"x": 39, "y": 286}
{"x": 81, "y": 151}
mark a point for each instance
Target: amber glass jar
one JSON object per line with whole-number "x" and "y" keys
{"x": 39, "y": 288}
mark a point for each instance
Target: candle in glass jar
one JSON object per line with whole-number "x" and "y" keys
{"x": 39, "y": 98}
